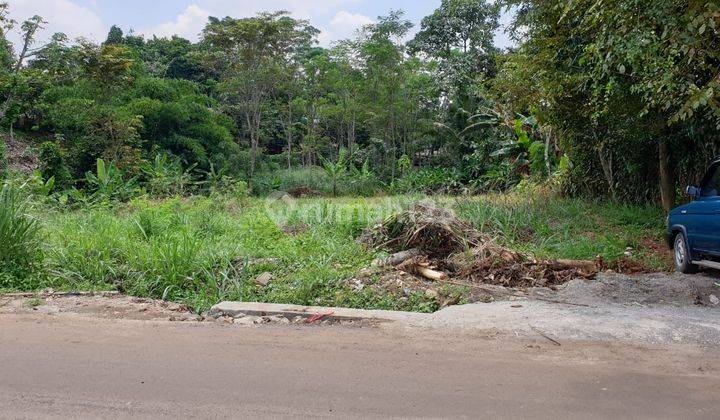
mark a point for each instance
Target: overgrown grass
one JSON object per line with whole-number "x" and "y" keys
{"x": 19, "y": 239}
{"x": 551, "y": 227}
{"x": 199, "y": 250}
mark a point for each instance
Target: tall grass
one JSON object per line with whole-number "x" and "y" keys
{"x": 554, "y": 227}
{"x": 198, "y": 251}
{"x": 20, "y": 251}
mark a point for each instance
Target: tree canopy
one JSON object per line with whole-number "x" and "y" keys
{"x": 604, "y": 98}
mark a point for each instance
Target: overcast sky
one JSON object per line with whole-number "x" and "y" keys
{"x": 337, "y": 19}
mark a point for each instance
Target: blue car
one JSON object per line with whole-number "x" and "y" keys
{"x": 693, "y": 230}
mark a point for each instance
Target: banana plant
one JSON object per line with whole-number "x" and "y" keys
{"x": 335, "y": 171}
{"x": 108, "y": 183}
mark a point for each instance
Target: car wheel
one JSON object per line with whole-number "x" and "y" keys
{"x": 683, "y": 260}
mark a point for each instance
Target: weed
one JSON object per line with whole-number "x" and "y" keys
{"x": 552, "y": 227}
{"x": 165, "y": 176}
{"x": 108, "y": 183}
{"x": 20, "y": 253}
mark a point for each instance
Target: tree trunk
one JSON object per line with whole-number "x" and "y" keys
{"x": 667, "y": 181}
{"x": 607, "y": 167}
{"x": 548, "y": 166}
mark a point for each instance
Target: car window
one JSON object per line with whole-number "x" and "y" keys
{"x": 712, "y": 188}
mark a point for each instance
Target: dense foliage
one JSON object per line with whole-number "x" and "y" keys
{"x": 616, "y": 98}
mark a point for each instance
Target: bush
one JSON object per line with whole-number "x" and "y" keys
{"x": 165, "y": 176}
{"x": 20, "y": 238}
{"x": 108, "y": 183}
{"x": 428, "y": 181}
{"x": 313, "y": 178}
{"x": 52, "y": 165}
{"x": 355, "y": 182}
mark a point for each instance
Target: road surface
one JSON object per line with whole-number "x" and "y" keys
{"x": 82, "y": 367}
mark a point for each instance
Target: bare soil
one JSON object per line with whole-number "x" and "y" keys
{"x": 20, "y": 156}
{"x": 105, "y": 305}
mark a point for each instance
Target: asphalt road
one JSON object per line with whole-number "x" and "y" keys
{"x": 89, "y": 368}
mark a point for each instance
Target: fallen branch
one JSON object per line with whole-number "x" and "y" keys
{"x": 397, "y": 258}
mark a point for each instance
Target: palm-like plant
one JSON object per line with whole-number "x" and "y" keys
{"x": 108, "y": 183}
{"x": 335, "y": 170}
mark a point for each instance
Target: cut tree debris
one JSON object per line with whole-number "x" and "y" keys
{"x": 433, "y": 243}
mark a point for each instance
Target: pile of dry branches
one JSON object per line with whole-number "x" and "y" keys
{"x": 433, "y": 243}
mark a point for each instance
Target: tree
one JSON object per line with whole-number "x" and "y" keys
{"x": 109, "y": 65}
{"x": 335, "y": 170}
{"x": 6, "y": 53}
{"x": 668, "y": 55}
{"x": 382, "y": 53}
{"x": 115, "y": 36}
{"x": 29, "y": 30}
{"x": 249, "y": 54}
{"x": 619, "y": 87}
{"x": 458, "y": 26}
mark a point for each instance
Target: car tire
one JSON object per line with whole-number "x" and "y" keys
{"x": 683, "y": 259}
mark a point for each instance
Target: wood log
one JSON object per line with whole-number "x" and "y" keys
{"x": 430, "y": 274}
{"x": 398, "y": 258}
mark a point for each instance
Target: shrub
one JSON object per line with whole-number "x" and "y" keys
{"x": 355, "y": 182}
{"x": 165, "y": 176}
{"x": 313, "y": 178}
{"x": 217, "y": 183}
{"x": 108, "y": 183}
{"x": 428, "y": 180}
{"x": 20, "y": 238}
{"x": 52, "y": 165}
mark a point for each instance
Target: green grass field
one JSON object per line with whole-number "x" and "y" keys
{"x": 199, "y": 251}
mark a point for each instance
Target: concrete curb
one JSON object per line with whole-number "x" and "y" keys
{"x": 330, "y": 313}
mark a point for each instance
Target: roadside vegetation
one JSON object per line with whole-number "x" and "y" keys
{"x": 202, "y": 249}
{"x": 163, "y": 167}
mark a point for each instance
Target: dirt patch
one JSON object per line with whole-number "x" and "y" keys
{"x": 113, "y": 305}
{"x": 654, "y": 245}
{"x": 303, "y": 192}
{"x": 294, "y": 230}
{"x": 20, "y": 156}
{"x": 644, "y": 290}
{"x": 109, "y": 305}
{"x": 627, "y": 265}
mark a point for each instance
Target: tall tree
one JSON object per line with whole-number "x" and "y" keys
{"x": 381, "y": 49}
{"x": 249, "y": 54}
{"x": 29, "y": 29}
